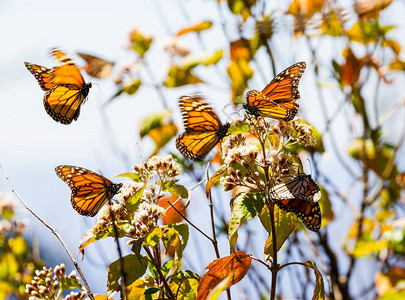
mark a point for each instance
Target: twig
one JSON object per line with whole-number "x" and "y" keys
{"x": 168, "y": 290}
{"x": 189, "y": 222}
{"x": 214, "y": 236}
{"x": 211, "y": 205}
{"x": 123, "y": 274}
{"x": 89, "y": 293}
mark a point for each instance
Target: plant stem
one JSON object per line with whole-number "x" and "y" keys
{"x": 56, "y": 233}
{"x": 154, "y": 260}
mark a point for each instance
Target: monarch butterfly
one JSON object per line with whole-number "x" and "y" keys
{"x": 300, "y": 196}
{"x": 96, "y": 66}
{"x": 90, "y": 191}
{"x": 277, "y": 99}
{"x": 203, "y": 128}
{"x": 65, "y": 88}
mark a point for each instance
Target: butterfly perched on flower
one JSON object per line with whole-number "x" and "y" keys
{"x": 64, "y": 85}
{"x": 90, "y": 191}
{"x": 300, "y": 196}
{"x": 203, "y": 129}
{"x": 96, "y": 66}
{"x": 277, "y": 99}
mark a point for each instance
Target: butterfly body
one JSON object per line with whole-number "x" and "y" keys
{"x": 65, "y": 88}
{"x": 300, "y": 196}
{"x": 203, "y": 128}
{"x": 277, "y": 99}
{"x": 90, "y": 191}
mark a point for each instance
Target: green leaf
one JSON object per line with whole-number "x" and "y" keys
{"x": 182, "y": 74}
{"x": 18, "y": 246}
{"x": 214, "y": 179}
{"x": 239, "y": 128}
{"x": 154, "y": 120}
{"x": 245, "y": 206}
{"x": 130, "y": 88}
{"x": 285, "y": 224}
{"x": 153, "y": 237}
{"x": 186, "y": 288}
{"x": 91, "y": 237}
{"x": 68, "y": 283}
{"x": 176, "y": 236}
{"x": 140, "y": 43}
{"x": 365, "y": 32}
{"x": 134, "y": 201}
{"x": 319, "y": 291}
{"x": 134, "y": 268}
{"x": 179, "y": 190}
{"x": 134, "y": 176}
{"x": 365, "y": 248}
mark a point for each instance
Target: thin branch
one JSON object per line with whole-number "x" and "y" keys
{"x": 56, "y": 233}
{"x": 163, "y": 279}
{"x": 211, "y": 205}
{"x": 123, "y": 274}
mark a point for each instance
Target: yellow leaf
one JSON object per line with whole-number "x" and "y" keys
{"x": 140, "y": 43}
{"x": 204, "y": 25}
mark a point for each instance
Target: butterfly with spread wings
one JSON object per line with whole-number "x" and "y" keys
{"x": 300, "y": 196}
{"x": 64, "y": 86}
{"x": 90, "y": 191}
{"x": 96, "y": 66}
{"x": 203, "y": 129}
{"x": 277, "y": 99}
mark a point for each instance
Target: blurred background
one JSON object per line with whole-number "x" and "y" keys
{"x": 352, "y": 93}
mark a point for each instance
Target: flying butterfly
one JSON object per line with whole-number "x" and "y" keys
{"x": 64, "y": 86}
{"x": 96, "y": 66}
{"x": 277, "y": 99}
{"x": 203, "y": 129}
{"x": 300, "y": 196}
{"x": 90, "y": 191}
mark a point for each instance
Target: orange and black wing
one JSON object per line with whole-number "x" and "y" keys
{"x": 203, "y": 129}
{"x": 96, "y": 66}
{"x": 283, "y": 89}
{"x": 277, "y": 99}
{"x": 67, "y": 73}
{"x": 196, "y": 144}
{"x": 90, "y": 191}
{"x": 43, "y": 75}
{"x": 308, "y": 211}
{"x": 302, "y": 186}
{"x": 300, "y": 196}
{"x": 260, "y": 105}
{"x": 63, "y": 102}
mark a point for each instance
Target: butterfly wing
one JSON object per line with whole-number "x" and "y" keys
{"x": 203, "y": 128}
{"x": 308, "y": 211}
{"x": 283, "y": 89}
{"x": 90, "y": 191}
{"x": 301, "y": 186}
{"x": 198, "y": 114}
{"x": 260, "y": 105}
{"x": 300, "y": 196}
{"x": 196, "y": 144}
{"x": 96, "y": 66}
{"x": 43, "y": 75}
{"x": 63, "y": 102}
{"x": 67, "y": 73}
